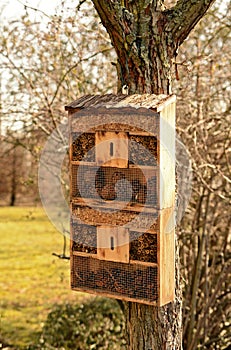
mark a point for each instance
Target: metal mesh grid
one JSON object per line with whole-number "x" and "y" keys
{"x": 81, "y": 146}
{"x": 113, "y": 184}
{"x": 152, "y": 198}
{"x": 74, "y": 186}
{"x": 84, "y": 238}
{"x": 136, "y": 156}
{"x": 143, "y": 247}
{"x": 129, "y": 280}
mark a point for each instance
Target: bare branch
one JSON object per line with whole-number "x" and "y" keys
{"x": 110, "y": 15}
{"x": 34, "y": 9}
{"x": 183, "y": 17}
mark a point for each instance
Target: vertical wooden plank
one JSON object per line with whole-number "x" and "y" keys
{"x": 112, "y": 149}
{"x": 72, "y": 277}
{"x": 167, "y": 157}
{"x": 166, "y": 256}
{"x": 113, "y": 243}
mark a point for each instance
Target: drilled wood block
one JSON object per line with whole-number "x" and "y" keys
{"x": 83, "y": 147}
{"x": 143, "y": 247}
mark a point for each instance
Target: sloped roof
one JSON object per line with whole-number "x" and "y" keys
{"x": 149, "y": 101}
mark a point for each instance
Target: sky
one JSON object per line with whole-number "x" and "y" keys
{"x": 13, "y": 8}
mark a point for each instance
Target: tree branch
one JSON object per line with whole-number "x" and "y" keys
{"x": 183, "y": 17}
{"x": 110, "y": 15}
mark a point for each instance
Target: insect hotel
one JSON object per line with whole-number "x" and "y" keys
{"x": 122, "y": 170}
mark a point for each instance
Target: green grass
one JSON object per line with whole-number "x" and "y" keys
{"x": 31, "y": 279}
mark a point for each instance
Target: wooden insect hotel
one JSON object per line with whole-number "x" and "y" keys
{"x": 122, "y": 171}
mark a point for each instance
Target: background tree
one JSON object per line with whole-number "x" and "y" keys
{"x": 65, "y": 64}
{"x": 46, "y": 61}
{"x": 203, "y": 113}
{"x": 17, "y": 175}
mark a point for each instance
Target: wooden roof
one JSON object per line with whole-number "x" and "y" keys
{"x": 149, "y": 101}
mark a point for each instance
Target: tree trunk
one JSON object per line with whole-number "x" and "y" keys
{"x": 13, "y": 179}
{"x": 146, "y": 37}
{"x": 154, "y": 328}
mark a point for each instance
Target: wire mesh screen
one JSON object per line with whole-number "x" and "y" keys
{"x": 117, "y": 279}
{"x": 139, "y": 155}
{"x": 113, "y": 184}
{"x": 84, "y": 238}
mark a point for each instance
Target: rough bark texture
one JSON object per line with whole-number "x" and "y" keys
{"x": 146, "y": 37}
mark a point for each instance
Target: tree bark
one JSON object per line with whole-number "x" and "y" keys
{"x": 13, "y": 179}
{"x": 146, "y": 37}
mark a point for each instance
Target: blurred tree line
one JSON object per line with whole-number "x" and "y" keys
{"x": 203, "y": 88}
{"x": 45, "y": 62}
{"x": 48, "y": 61}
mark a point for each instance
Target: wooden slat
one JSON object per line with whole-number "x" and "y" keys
{"x": 166, "y": 257}
{"x": 84, "y": 254}
{"x": 134, "y": 207}
{"x": 114, "y": 296}
{"x": 132, "y": 262}
{"x": 141, "y": 133}
{"x": 167, "y": 157}
{"x": 142, "y": 230}
{"x": 131, "y": 166}
{"x": 112, "y": 149}
{"x": 113, "y": 243}
{"x": 143, "y": 263}
{"x": 77, "y": 162}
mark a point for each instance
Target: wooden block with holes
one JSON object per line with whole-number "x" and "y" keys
{"x": 122, "y": 194}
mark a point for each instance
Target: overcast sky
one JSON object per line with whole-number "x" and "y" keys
{"x": 13, "y": 8}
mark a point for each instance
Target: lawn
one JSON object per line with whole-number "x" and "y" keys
{"x": 32, "y": 280}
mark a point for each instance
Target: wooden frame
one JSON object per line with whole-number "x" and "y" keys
{"x": 109, "y": 268}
